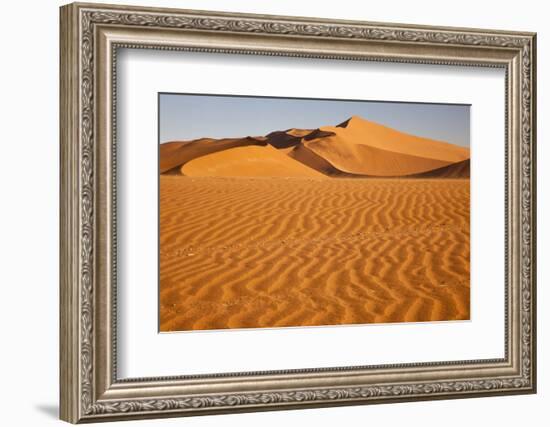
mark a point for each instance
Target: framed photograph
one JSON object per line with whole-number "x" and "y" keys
{"x": 266, "y": 212}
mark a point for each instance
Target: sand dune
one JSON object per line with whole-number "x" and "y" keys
{"x": 365, "y": 132}
{"x": 251, "y": 160}
{"x": 256, "y": 252}
{"x": 354, "y": 148}
{"x": 308, "y": 157}
{"x": 362, "y": 159}
{"x": 360, "y": 147}
{"x": 173, "y": 155}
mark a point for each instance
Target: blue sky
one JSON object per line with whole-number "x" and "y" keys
{"x": 187, "y": 116}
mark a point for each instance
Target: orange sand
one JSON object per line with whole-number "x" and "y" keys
{"x": 272, "y": 252}
{"x": 250, "y": 160}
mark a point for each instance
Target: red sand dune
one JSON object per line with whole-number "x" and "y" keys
{"x": 250, "y": 160}
{"x": 174, "y": 154}
{"x": 360, "y": 147}
{"x": 379, "y": 136}
{"x": 354, "y": 148}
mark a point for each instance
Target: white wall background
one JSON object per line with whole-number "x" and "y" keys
{"x": 29, "y": 171}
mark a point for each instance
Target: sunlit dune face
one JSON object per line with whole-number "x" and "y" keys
{"x": 248, "y": 161}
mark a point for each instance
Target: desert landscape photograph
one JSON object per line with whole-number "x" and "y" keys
{"x": 292, "y": 212}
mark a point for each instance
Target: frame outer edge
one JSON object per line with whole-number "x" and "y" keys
{"x": 69, "y": 354}
{"x": 533, "y": 207}
{"x": 77, "y": 226}
{"x": 305, "y": 19}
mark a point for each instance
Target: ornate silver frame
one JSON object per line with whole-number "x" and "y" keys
{"x": 90, "y": 36}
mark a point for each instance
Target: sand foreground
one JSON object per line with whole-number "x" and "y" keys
{"x": 273, "y": 252}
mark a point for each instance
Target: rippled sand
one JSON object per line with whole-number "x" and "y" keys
{"x": 273, "y": 252}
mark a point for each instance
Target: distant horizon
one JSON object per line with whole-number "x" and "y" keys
{"x": 184, "y": 117}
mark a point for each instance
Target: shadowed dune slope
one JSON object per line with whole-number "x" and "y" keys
{"x": 315, "y": 161}
{"x": 455, "y": 170}
{"x": 286, "y": 139}
{"x": 248, "y": 161}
